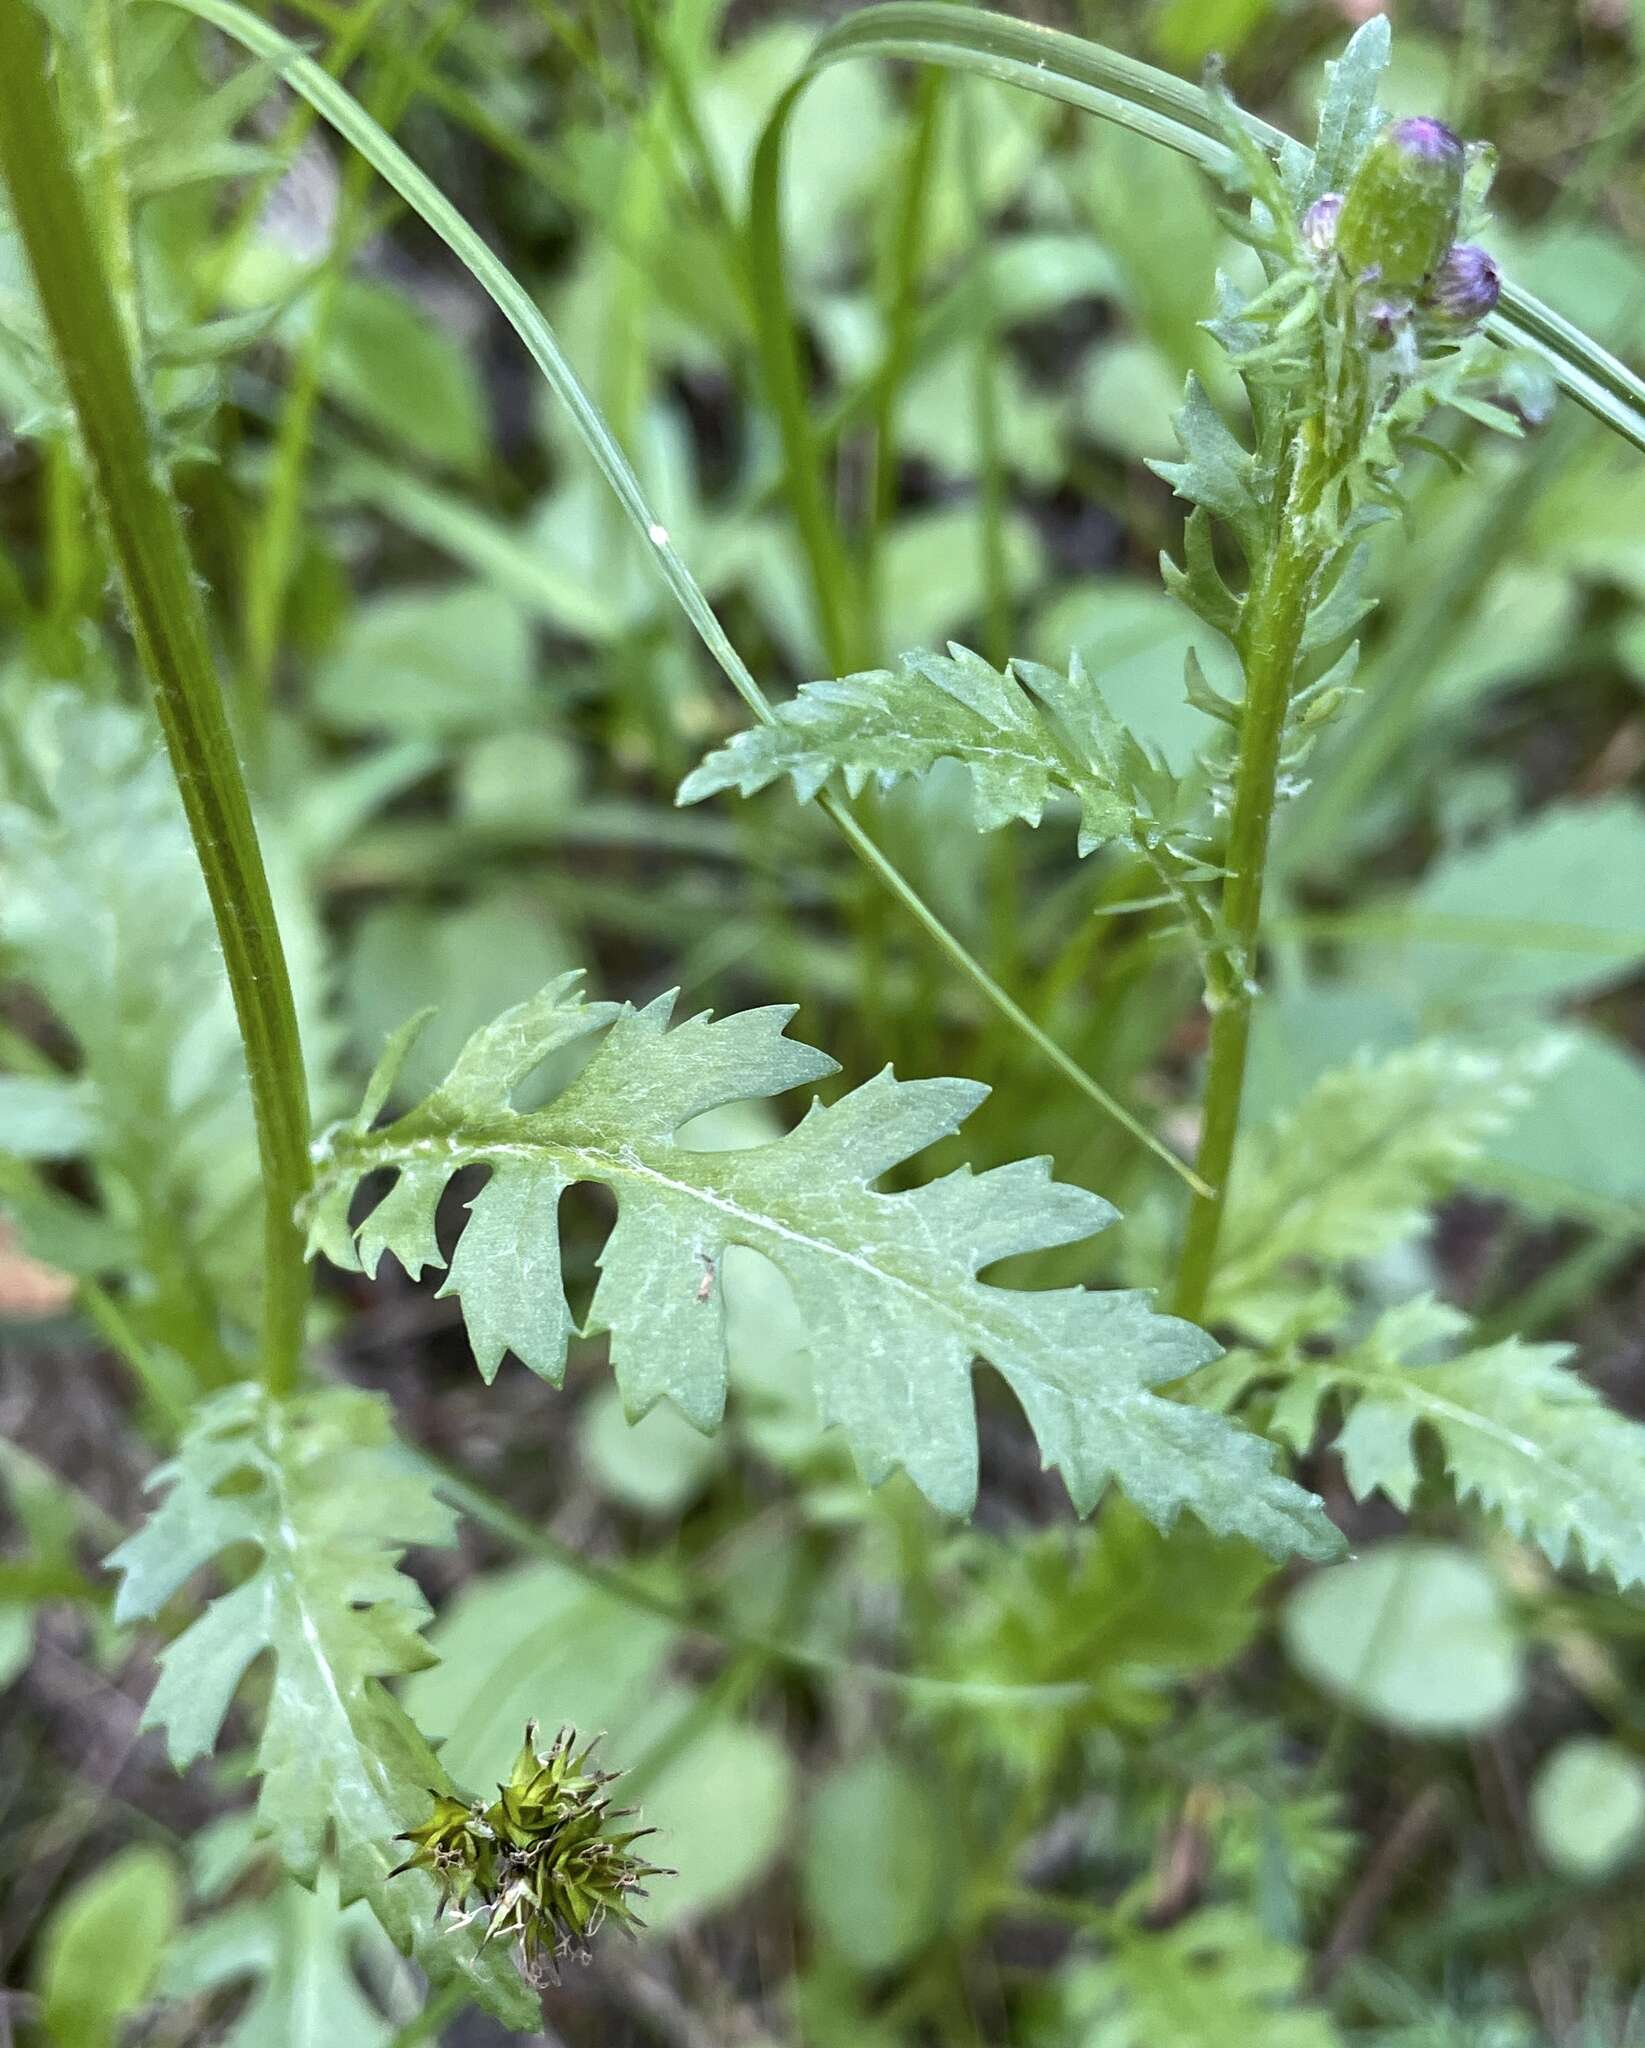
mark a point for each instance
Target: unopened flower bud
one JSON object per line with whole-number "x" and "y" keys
{"x": 1464, "y": 288}
{"x": 1385, "y": 319}
{"x": 1399, "y": 215}
{"x": 1319, "y": 223}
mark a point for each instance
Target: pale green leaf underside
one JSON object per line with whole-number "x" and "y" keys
{"x": 886, "y": 1284}
{"x": 883, "y": 724}
{"x": 314, "y": 1487}
{"x": 1521, "y": 1434}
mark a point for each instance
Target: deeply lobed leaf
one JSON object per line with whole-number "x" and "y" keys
{"x": 1353, "y": 1168}
{"x": 885, "y": 724}
{"x": 1026, "y": 732}
{"x": 314, "y": 1488}
{"x": 1216, "y": 1977}
{"x": 303, "y": 1961}
{"x": 1520, "y": 1433}
{"x": 103, "y": 912}
{"x": 887, "y": 1284}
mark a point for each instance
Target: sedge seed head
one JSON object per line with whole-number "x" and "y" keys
{"x": 548, "y": 1858}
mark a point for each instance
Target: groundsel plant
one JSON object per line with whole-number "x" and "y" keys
{"x": 1354, "y": 323}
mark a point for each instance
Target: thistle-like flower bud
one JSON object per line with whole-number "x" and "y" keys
{"x": 1319, "y": 224}
{"x": 1464, "y": 288}
{"x": 1399, "y": 214}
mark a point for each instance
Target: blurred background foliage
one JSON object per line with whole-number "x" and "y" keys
{"x": 1398, "y": 1801}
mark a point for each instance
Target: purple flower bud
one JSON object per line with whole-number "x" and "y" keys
{"x": 1464, "y": 288}
{"x": 1319, "y": 223}
{"x": 1422, "y": 138}
{"x": 1399, "y": 214}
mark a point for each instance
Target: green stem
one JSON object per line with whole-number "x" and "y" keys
{"x": 1570, "y": 1283}
{"x": 703, "y": 1619}
{"x": 985, "y": 403}
{"x": 1007, "y": 1005}
{"x": 442, "y": 2007}
{"x": 217, "y": 268}
{"x": 169, "y": 622}
{"x": 1270, "y": 644}
{"x": 165, "y": 1379}
{"x": 113, "y": 206}
{"x": 901, "y": 298}
{"x": 70, "y": 564}
{"x": 277, "y": 540}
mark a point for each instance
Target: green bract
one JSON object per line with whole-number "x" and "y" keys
{"x": 1399, "y": 215}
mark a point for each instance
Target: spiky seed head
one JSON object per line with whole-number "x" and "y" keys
{"x": 455, "y": 1845}
{"x": 1399, "y": 214}
{"x": 547, "y": 1858}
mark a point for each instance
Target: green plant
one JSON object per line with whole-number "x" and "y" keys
{"x": 787, "y": 1281}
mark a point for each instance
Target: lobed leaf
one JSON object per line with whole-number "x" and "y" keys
{"x": 314, "y": 1488}
{"x": 882, "y": 725}
{"x": 1520, "y": 1433}
{"x": 103, "y": 912}
{"x": 1024, "y": 731}
{"x": 1215, "y": 1977}
{"x": 301, "y": 1961}
{"x": 1217, "y": 470}
{"x": 1353, "y": 1168}
{"x": 886, "y": 1284}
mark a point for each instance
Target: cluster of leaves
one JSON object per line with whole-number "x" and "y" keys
{"x": 1350, "y": 1174}
{"x": 105, "y": 915}
{"x": 1314, "y": 374}
{"x": 1217, "y": 1976}
{"x": 163, "y": 154}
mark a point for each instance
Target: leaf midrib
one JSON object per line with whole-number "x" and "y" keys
{"x": 1406, "y": 1390}
{"x": 987, "y": 1309}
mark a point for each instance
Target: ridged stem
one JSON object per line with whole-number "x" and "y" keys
{"x": 1270, "y": 646}
{"x": 169, "y": 623}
